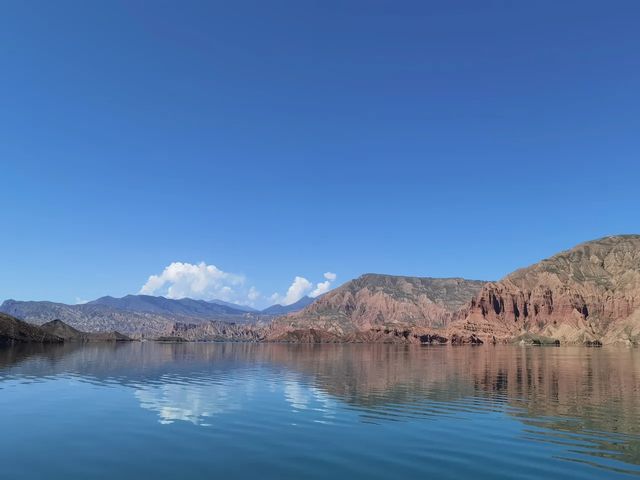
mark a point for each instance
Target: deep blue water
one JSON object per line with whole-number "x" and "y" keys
{"x": 166, "y": 411}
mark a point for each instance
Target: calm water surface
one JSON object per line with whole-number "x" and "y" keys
{"x": 166, "y": 411}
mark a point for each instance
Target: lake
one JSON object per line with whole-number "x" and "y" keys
{"x": 276, "y": 411}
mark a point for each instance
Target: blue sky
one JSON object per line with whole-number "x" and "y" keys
{"x": 281, "y": 139}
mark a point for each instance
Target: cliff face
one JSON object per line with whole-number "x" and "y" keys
{"x": 380, "y": 304}
{"x": 586, "y": 294}
{"x": 218, "y": 331}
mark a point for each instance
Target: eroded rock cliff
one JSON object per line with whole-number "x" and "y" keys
{"x": 380, "y": 308}
{"x": 590, "y": 293}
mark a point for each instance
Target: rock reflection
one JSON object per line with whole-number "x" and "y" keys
{"x": 570, "y": 394}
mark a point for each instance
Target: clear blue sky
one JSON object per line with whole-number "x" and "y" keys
{"x": 282, "y": 139}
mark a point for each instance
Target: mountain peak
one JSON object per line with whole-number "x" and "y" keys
{"x": 607, "y": 261}
{"x": 278, "y": 309}
{"x": 375, "y": 300}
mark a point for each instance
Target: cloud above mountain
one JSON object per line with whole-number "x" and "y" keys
{"x": 323, "y": 287}
{"x": 202, "y": 281}
{"x": 208, "y": 282}
{"x": 301, "y": 287}
{"x": 297, "y": 290}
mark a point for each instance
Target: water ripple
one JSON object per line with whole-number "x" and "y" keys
{"x": 286, "y": 411}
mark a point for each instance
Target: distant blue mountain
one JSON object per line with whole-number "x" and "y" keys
{"x": 161, "y": 305}
{"x": 193, "y": 308}
{"x": 244, "y": 308}
{"x": 146, "y": 314}
{"x": 284, "y": 309}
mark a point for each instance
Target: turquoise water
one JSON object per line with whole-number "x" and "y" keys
{"x": 166, "y": 411}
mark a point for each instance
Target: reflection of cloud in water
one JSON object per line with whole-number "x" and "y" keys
{"x": 198, "y": 402}
{"x": 306, "y": 397}
{"x": 298, "y": 396}
{"x": 193, "y": 402}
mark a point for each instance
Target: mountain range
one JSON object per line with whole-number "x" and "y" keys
{"x": 145, "y": 315}
{"x": 186, "y": 307}
{"x": 589, "y": 294}
{"x": 376, "y": 303}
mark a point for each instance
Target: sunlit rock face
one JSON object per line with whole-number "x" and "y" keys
{"x": 589, "y": 293}
{"x": 380, "y": 301}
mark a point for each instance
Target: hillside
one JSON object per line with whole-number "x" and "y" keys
{"x": 69, "y": 334}
{"x": 375, "y": 301}
{"x": 590, "y": 293}
{"x": 13, "y": 330}
{"x": 185, "y": 307}
{"x": 91, "y": 318}
{"x": 148, "y": 316}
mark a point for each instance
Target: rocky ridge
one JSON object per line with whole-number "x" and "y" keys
{"x": 588, "y": 294}
{"x": 375, "y": 308}
{"x": 13, "y": 331}
{"x": 69, "y": 334}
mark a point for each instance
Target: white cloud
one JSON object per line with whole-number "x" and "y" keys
{"x": 323, "y": 287}
{"x": 208, "y": 282}
{"x": 201, "y": 281}
{"x": 297, "y": 290}
{"x": 275, "y": 298}
{"x": 301, "y": 287}
{"x": 330, "y": 276}
{"x": 253, "y": 294}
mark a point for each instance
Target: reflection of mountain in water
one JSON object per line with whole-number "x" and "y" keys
{"x": 564, "y": 390}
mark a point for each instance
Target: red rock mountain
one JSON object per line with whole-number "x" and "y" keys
{"x": 376, "y": 304}
{"x": 590, "y": 293}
